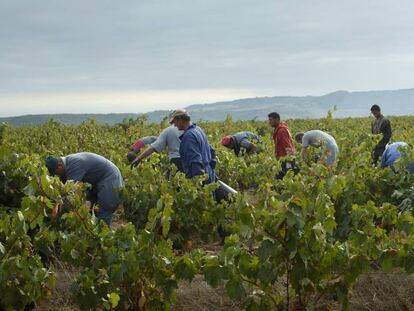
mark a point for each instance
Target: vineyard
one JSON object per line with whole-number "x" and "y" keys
{"x": 294, "y": 244}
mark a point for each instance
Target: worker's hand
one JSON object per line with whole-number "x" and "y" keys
{"x": 136, "y": 162}
{"x": 55, "y": 211}
{"x": 253, "y": 148}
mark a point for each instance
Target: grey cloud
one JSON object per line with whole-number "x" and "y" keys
{"x": 286, "y": 46}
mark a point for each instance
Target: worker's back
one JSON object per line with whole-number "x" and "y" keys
{"x": 91, "y": 168}
{"x": 392, "y": 153}
{"x": 169, "y": 138}
{"x": 195, "y": 148}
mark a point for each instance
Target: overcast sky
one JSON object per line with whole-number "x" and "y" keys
{"x": 135, "y": 56}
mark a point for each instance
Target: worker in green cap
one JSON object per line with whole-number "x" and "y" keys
{"x": 102, "y": 174}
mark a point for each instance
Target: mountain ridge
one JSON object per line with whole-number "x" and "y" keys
{"x": 348, "y": 104}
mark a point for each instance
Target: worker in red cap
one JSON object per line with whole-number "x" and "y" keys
{"x": 241, "y": 140}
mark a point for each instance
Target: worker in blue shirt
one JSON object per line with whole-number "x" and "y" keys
{"x": 102, "y": 174}
{"x": 392, "y": 154}
{"x": 197, "y": 156}
{"x": 242, "y": 140}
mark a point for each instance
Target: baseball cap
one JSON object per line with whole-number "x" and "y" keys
{"x": 177, "y": 113}
{"x": 51, "y": 164}
{"x": 226, "y": 140}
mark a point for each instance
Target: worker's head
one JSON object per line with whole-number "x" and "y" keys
{"x": 376, "y": 111}
{"x": 274, "y": 119}
{"x": 181, "y": 119}
{"x": 174, "y": 114}
{"x": 131, "y": 156}
{"x": 299, "y": 137}
{"x": 227, "y": 141}
{"x": 55, "y": 166}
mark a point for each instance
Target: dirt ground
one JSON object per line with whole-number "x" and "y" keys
{"x": 377, "y": 291}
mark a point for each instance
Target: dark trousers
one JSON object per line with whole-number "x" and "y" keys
{"x": 221, "y": 194}
{"x": 288, "y": 165}
{"x": 178, "y": 164}
{"x": 377, "y": 154}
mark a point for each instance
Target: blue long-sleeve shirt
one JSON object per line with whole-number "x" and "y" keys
{"x": 243, "y": 139}
{"x": 196, "y": 153}
{"x": 102, "y": 174}
{"x": 91, "y": 168}
{"x": 392, "y": 153}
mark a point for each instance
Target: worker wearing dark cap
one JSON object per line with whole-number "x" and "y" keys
{"x": 102, "y": 174}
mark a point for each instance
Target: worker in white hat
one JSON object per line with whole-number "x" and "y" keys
{"x": 169, "y": 138}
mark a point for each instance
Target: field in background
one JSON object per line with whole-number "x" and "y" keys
{"x": 328, "y": 240}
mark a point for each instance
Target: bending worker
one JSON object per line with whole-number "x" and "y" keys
{"x": 318, "y": 139}
{"x": 241, "y": 140}
{"x": 102, "y": 174}
{"x": 138, "y": 145}
{"x": 392, "y": 154}
{"x": 170, "y": 139}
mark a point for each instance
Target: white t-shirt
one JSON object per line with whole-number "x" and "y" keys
{"x": 318, "y": 138}
{"x": 169, "y": 138}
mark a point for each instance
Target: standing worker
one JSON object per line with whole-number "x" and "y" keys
{"x": 392, "y": 154}
{"x": 102, "y": 174}
{"x": 169, "y": 138}
{"x": 283, "y": 142}
{"x": 318, "y": 139}
{"x": 245, "y": 140}
{"x": 138, "y": 145}
{"x": 380, "y": 126}
{"x": 197, "y": 156}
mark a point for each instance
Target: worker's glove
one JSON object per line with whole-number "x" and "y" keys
{"x": 135, "y": 162}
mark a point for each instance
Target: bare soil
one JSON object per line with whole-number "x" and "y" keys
{"x": 375, "y": 291}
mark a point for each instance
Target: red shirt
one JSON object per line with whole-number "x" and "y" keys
{"x": 283, "y": 141}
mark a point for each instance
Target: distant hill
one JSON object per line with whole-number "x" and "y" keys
{"x": 75, "y": 119}
{"x": 348, "y": 104}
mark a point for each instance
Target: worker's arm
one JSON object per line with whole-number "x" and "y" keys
{"x": 146, "y": 153}
{"x": 213, "y": 161}
{"x": 157, "y": 146}
{"x": 386, "y": 132}
{"x": 303, "y": 153}
{"x": 250, "y": 147}
{"x": 192, "y": 157}
{"x": 255, "y": 137}
{"x": 384, "y": 158}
